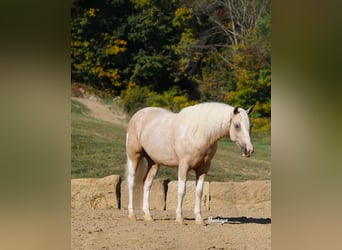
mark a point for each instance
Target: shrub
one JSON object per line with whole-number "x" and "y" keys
{"x": 173, "y": 99}
{"x": 261, "y": 127}
{"x": 136, "y": 97}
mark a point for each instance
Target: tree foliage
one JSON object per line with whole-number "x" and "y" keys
{"x": 174, "y": 53}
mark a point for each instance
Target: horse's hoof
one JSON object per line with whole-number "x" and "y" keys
{"x": 180, "y": 221}
{"x": 148, "y": 218}
{"x": 199, "y": 222}
{"x": 132, "y": 217}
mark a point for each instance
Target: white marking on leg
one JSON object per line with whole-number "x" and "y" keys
{"x": 130, "y": 183}
{"x": 181, "y": 193}
{"x": 199, "y": 191}
{"x": 146, "y": 201}
{"x": 147, "y": 189}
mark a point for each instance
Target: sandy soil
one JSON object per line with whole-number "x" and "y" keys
{"x": 111, "y": 229}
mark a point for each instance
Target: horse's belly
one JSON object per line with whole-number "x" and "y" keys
{"x": 162, "y": 155}
{"x": 157, "y": 147}
{"x": 196, "y": 154}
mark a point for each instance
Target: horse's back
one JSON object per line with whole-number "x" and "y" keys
{"x": 146, "y": 116}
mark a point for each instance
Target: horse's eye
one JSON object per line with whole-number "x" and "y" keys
{"x": 236, "y": 125}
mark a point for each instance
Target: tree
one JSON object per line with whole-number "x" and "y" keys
{"x": 96, "y": 48}
{"x": 233, "y": 41}
{"x": 176, "y": 51}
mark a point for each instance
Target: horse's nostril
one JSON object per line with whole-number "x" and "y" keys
{"x": 248, "y": 151}
{"x": 244, "y": 150}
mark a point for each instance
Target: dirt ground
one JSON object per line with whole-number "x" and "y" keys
{"x": 111, "y": 229}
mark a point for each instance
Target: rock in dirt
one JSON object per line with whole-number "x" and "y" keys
{"x": 96, "y": 193}
{"x": 254, "y": 197}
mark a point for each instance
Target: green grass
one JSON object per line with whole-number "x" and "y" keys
{"x": 97, "y": 147}
{"x": 98, "y": 150}
{"x": 229, "y": 165}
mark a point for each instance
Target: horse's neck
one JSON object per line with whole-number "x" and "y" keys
{"x": 209, "y": 122}
{"x": 212, "y": 127}
{"x": 219, "y": 131}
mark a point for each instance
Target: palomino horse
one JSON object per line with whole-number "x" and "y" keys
{"x": 187, "y": 140}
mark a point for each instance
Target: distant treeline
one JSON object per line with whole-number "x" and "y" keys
{"x": 173, "y": 53}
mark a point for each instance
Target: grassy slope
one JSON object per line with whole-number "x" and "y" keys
{"x": 98, "y": 149}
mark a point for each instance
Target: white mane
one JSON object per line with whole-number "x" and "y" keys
{"x": 209, "y": 119}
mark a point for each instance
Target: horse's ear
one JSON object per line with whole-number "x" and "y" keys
{"x": 236, "y": 110}
{"x": 250, "y": 109}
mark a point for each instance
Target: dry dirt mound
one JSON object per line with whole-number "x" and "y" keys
{"x": 103, "y": 112}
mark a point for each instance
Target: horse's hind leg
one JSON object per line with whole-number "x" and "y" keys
{"x": 147, "y": 188}
{"x": 131, "y": 167}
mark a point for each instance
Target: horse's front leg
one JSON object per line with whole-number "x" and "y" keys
{"x": 199, "y": 191}
{"x": 201, "y": 172}
{"x": 147, "y": 188}
{"x": 182, "y": 173}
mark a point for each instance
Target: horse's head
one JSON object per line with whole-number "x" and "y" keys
{"x": 240, "y": 130}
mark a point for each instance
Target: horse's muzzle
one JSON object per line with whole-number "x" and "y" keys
{"x": 247, "y": 151}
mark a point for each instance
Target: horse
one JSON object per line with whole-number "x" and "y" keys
{"x": 187, "y": 140}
